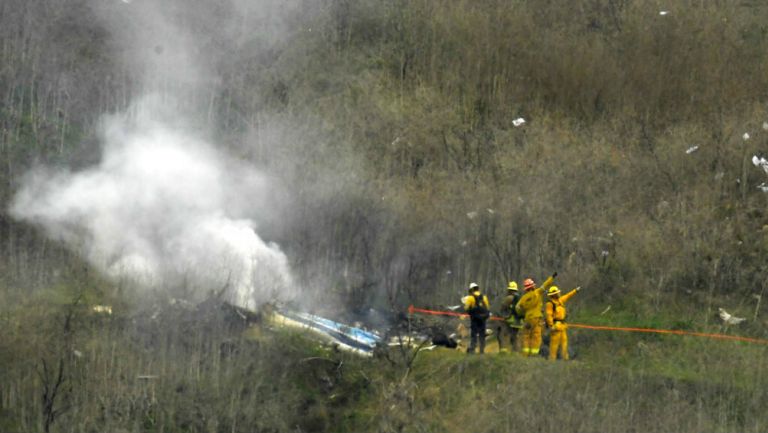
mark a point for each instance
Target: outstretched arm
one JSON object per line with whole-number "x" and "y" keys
{"x": 569, "y": 295}
{"x": 548, "y": 282}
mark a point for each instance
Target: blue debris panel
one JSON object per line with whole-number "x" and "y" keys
{"x": 347, "y": 337}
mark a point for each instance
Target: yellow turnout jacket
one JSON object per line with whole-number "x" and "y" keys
{"x": 556, "y": 308}
{"x": 469, "y": 301}
{"x": 530, "y": 304}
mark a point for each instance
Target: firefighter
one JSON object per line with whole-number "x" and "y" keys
{"x": 529, "y": 307}
{"x": 511, "y": 324}
{"x": 478, "y": 308}
{"x": 555, "y": 309}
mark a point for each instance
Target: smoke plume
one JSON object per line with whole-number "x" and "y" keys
{"x": 164, "y": 207}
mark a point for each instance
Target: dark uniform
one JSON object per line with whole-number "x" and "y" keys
{"x": 512, "y": 323}
{"x": 478, "y": 307}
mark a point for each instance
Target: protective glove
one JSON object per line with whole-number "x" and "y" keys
{"x": 578, "y": 288}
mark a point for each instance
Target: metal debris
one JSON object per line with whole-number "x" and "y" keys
{"x": 519, "y": 121}
{"x": 730, "y": 319}
{"x": 345, "y": 337}
{"x": 760, "y": 162}
{"x": 692, "y": 149}
{"x": 147, "y": 377}
{"x": 102, "y": 309}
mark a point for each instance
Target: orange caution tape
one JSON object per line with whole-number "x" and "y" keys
{"x": 412, "y": 310}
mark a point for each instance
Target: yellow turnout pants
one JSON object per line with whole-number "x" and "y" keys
{"x": 558, "y": 339}
{"x": 532, "y": 336}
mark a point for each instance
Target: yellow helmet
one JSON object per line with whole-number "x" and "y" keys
{"x": 512, "y": 286}
{"x": 554, "y": 290}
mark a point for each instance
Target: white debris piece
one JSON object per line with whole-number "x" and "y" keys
{"x": 472, "y": 215}
{"x": 745, "y": 136}
{"x": 103, "y": 309}
{"x": 454, "y": 307}
{"x": 662, "y": 13}
{"x": 730, "y": 319}
{"x": 519, "y": 121}
{"x": 765, "y": 126}
{"x": 147, "y": 377}
{"x": 763, "y": 187}
{"x": 760, "y": 162}
{"x": 692, "y": 149}
{"x": 604, "y": 253}
{"x": 491, "y": 211}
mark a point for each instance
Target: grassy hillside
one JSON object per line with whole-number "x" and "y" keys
{"x": 387, "y": 124}
{"x": 185, "y": 371}
{"x": 393, "y": 120}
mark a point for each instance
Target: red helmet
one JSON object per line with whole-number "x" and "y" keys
{"x": 529, "y": 284}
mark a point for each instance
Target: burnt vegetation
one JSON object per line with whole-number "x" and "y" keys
{"x": 389, "y": 123}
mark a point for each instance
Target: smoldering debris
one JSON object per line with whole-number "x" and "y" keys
{"x": 163, "y": 208}
{"x": 213, "y": 321}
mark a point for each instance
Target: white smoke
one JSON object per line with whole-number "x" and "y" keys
{"x": 162, "y": 208}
